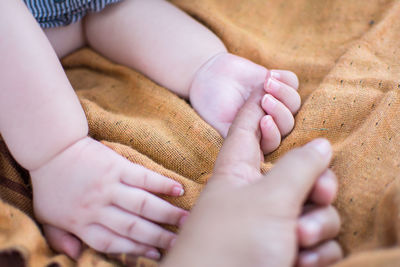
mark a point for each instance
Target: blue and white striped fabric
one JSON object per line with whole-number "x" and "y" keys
{"x": 54, "y": 13}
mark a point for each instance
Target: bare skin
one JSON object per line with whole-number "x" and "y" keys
{"x": 46, "y": 111}
{"x": 259, "y": 220}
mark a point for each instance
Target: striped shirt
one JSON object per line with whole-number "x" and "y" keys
{"x": 54, "y": 13}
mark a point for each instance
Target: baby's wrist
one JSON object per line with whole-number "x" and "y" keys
{"x": 77, "y": 143}
{"x": 206, "y": 66}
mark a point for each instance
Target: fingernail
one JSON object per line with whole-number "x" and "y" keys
{"x": 178, "y": 191}
{"x": 269, "y": 101}
{"x": 267, "y": 121}
{"x": 327, "y": 181}
{"x": 182, "y": 220}
{"x": 311, "y": 227}
{"x": 321, "y": 145}
{"x": 273, "y": 85}
{"x": 309, "y": 259}
{"x": 172, "y": 243}
{"x": 153, "y": 255}
{"x": 275, "y": 74}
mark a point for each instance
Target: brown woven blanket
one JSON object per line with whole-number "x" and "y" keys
{"x": 346, "y": 54}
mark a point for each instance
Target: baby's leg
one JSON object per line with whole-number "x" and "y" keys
{"x": 66, "y": 39}
{"x": 154, "y": 37}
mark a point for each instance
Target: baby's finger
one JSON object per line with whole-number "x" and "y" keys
{"x": 138, "y": 176}
{"x": 62, "y": 241}
{"x": 284, "y": 93}
{"x": 323, "y": 255}
{"x": 285, "y": 76}
{"x": 103, "y": 240}
{"x": 325, "y": 189}
{"x": 136, "y": 228}
{"x": 147, "y": 205}
{"x": 279, "y": 112}
{"x": 318, "y": 225}
{"x": 270, "y": 135}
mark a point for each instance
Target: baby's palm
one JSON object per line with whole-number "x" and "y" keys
{"x": 223, "y": 84}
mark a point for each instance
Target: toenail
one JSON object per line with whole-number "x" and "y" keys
{"x": 309, "y": 259}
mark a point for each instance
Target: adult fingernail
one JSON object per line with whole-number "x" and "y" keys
{"x": 322, "y": 146}
{"x": 309, "y": 259}
{"x": 311, "y": 230}
{"x": 178, "y": 191}
{"x": 152, "y": 254}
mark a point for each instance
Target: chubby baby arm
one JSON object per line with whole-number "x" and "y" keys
{"x": 179, "y": 53}
{"x": 79, "y": 185}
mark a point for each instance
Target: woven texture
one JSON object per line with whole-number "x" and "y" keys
{"x": 346, "y": 55}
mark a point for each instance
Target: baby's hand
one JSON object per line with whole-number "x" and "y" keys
{"x": 101, "y": 197}
{"x": 223, "y": 84}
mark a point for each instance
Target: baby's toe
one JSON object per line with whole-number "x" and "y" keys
{"x": 270, "y": 135}
{"x": 323, "y": 255}
{"x": 318, "y": 225}
{"x": 285, "y": 76}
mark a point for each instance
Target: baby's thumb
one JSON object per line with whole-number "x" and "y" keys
{"x": 62, "y": 241}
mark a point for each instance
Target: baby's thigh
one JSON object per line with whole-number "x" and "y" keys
{"x": 66, "y": 39}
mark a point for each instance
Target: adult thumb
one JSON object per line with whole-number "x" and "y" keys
{"x": 294, "y": 175}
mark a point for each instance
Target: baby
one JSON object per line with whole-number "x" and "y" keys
{"x": 79, "y": 185}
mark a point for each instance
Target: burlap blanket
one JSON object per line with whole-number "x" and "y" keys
{"x": 346, "y": 54}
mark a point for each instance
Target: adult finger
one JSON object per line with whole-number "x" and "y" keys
{"x": 136, "y": 228}
{"x": 146, "y": 205}
{"x": 323, "y": 255}
{"x": 241, "y": 149}
{"x": 325, "y": 189}
{"x": 318, "y": 225}
{"x": 294, "y": 175}
{"x": 138, "y": 176}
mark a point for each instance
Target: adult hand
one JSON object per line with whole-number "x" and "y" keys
{"x": 244, "y": 218}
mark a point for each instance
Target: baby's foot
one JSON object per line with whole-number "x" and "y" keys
{"x": 224, "y": 83}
